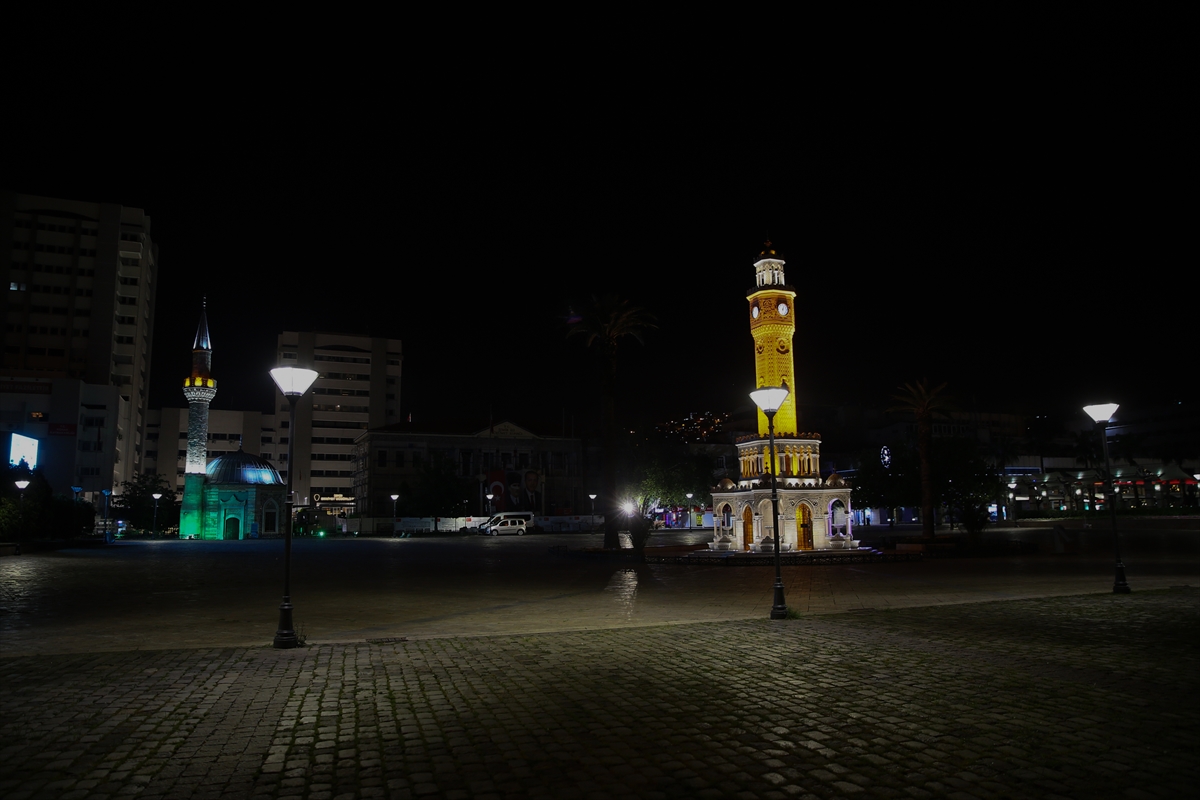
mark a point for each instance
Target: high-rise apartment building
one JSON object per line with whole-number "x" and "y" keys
{"x": 358, "y": 389}
{"x": 81, "y": 281}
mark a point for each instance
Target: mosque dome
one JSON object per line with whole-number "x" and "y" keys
{"x": 243, "y": 468}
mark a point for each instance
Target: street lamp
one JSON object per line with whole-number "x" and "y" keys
{"x": 395, "y": 497}
{"x": 769, "y": 399}
{"x": 106, "y": 493}
{"x": 689, "y": 497}
{"x": 21, "y": 485}
{"x": 593, "y": 510}
{"x": 1102, "y": 414}
{"x": 156, "y": 495}
{"x": 293, "y": 382}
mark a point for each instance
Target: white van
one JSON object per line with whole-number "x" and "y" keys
{"x": 506, "y": 522}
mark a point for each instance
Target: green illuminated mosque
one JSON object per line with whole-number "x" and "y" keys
{"x": 235, "y": 496}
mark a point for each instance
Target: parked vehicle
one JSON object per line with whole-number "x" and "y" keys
{"x": 507, "y": 526}
{"x": 526, "y": 517}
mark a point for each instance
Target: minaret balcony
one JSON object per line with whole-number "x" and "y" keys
{"x": 200, "y": 394}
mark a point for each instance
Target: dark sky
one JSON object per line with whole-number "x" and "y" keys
{"x": 1030, "y": 253}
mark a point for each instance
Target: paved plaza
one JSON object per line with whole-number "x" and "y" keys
{"x": 489, "y": 668}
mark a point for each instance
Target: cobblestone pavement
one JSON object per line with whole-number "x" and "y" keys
{"x": 1085, "y": 696}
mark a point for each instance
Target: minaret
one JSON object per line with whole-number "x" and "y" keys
{"x": 199, "y": 388}
{"x": 772, "y": 323}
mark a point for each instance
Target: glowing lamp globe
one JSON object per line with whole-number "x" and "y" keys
{"x": 1102, "y": 412}
{"x": 293, "y": 381}
{"x": 769, "y": 398}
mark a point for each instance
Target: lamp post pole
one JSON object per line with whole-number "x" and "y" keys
{"x": 769, "y": 400}
{"x": 106, "y": 493}
{"x": 395, "y": 497}
{"x": 293, "y": 382}
{"x": 154, "y": 529}
{"x": 593, "y": 497}
{"x": 1102, "y": 414}
{"x": 22, "y": 485}
{"x": 689, "y": 511}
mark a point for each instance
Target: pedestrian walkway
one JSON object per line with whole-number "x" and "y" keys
{"x": 1084, "y": 697}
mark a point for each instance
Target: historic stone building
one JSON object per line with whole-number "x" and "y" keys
{"x": 813, "y": 513}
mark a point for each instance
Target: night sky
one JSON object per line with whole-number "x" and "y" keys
{"x": 1030, "y": 256}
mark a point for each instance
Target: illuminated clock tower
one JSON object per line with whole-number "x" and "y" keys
{"x": 813, "y": 510}
{"x": 772, "y": 323}
{"x": 199, "y": 388}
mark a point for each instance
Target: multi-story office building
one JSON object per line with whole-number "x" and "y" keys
{"x": 80, "y": 304}
{"x": 228, "y": 432}
{"x": 358, "y": 389}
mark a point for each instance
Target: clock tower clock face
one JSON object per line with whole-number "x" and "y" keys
{"x": 754, "y": 312}
{"x": 783, "y": 309}
{"x": 885, "y": 456}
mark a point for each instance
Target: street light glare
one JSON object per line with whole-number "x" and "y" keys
{"x": 293, "y": 381}
{"x": 1101, "y": 412}
{"x": 769, "y": 398}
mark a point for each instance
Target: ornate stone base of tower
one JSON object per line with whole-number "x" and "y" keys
{"x": 813, "y": 514}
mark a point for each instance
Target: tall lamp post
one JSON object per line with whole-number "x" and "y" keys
{"x": 769, "y": 399}
{"x": 689, "y": 497}
{"x": 293, "y": 382}
{"x": 106, "y": 493}
{"x": 1102, "y": 414}
{"x": 156, "y": 496}
{"x": 22, "y": 485}
{"x": 593, "y": 510}
{"x": 395, "y": 497}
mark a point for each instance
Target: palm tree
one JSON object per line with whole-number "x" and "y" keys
{"x": 603, "y": 325}
{"x": 923, "y": 403}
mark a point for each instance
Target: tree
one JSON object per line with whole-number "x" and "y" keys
{"x": 135, "y": 503}
{"x": 663, "y": 473}
{"x": 923, "y": 403}
{"x": 37, "y": 512}
{"x": 964, "y": 481}
{"x": 603, "y": 325}
{"x": 892, "y": 486}
{"x": 435, "y": 491}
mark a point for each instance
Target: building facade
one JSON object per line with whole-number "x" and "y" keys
{"x": 80, "y": 305}
{"x": 813, "y": 512}
{"x": 358, "y": 389}
{"x": 228, "y": 431}
{"x": 521, "y": 470}
{"x": 75, "y": 425}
